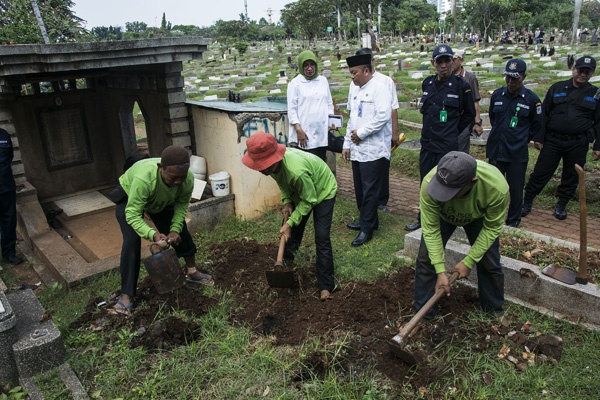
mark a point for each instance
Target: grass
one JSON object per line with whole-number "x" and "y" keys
{"x": 234, "y": 362}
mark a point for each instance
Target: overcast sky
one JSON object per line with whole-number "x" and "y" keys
{"x": 178, "y": 12}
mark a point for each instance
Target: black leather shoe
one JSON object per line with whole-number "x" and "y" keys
{"x": 560, "y": 211}
{"x": 14, "y": 260}
{"x": 526, "y": 209}
{"x": 361, "y": 239}
{"x": 354, "y": 226}
{"x": 413, "y": 227}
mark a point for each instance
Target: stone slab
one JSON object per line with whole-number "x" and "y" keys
{"x": 39, "y": 346}
{"x": 525, "y": 282}
{"x": 84, "y": 204}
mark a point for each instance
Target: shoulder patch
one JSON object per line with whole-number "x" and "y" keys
{"x": 538, "y": 108}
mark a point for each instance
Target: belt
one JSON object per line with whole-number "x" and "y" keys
{"x": 567, "y": 137}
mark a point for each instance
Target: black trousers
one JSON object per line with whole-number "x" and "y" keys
{"x": 368, "y": 178}
{"x": 320, "y": 152}
{"x": 322, "y": 216}
{"x": 514, "y": 172}
{"x": 427, "y": 161}
{"x": 8, "y": 223}
{"x": 490, "y": 276}
{"x": 573, "y": 151}
{"x": 130, "y": 251}
{"x": 384, "y": 196}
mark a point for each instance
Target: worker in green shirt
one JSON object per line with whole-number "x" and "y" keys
{"x": 161, "y": 188}
{"x": 461, "y": 191}
{"x": 307, "y": 186}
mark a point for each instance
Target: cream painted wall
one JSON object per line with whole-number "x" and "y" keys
{"x": 217, "y": 141}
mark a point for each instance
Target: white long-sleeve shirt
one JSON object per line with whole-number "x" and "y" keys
{"x": 310, "y": 104}
{"x": 370, "y": 115}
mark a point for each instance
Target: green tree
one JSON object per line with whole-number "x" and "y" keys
{"x": 136, "y": 26}
{"x": 18, "y": 23}
{"x": 107, "y": 33}
{"x": 486, "y": 14}
{"x": 409, "y": 16}
{"x": 241, "y": 47}
{"x": 309, "y": 18}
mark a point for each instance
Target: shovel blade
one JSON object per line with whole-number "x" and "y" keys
{"x": 396, "y": 346}
{"x": 560, "y": 274}
{"x": 282, "y": 279}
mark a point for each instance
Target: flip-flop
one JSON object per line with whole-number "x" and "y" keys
{"x": 123, "y": 309}
{"x": 202, "y": 279}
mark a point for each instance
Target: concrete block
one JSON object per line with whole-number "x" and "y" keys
{"x": 8, "y": 336}
{"x": 524, "y": 283}
{"x": 39, "y": 347}
{"x": 210, "y": 211}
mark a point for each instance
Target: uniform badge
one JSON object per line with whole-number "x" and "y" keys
{"x": 538, "y": 107}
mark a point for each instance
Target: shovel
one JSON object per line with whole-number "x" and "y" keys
{"x": 278, "y": 278}
{"x": 397, "y": 344}
{"x": 565, "y": 275}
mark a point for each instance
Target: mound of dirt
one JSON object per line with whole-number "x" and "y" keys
{"x": 366, "y": 314}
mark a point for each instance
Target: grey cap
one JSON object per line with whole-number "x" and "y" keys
{"x": 454, "y": 171}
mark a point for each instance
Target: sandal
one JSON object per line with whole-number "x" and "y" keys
{"x": 122, "y": 309}
{"x": 200, "y": 279}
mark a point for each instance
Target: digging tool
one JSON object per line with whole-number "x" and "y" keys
{"x": 164, "y": 268}
{"x": 565, "y": 275}
{"x": 278, "y": 278}
{"x": 398, "y": 343}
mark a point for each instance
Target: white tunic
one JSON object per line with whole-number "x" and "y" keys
{"x": 309, "y": 104}
{"x": 370, "y": 115}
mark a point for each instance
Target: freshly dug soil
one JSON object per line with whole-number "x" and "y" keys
{"x": 366, "y": 314}
{"x": 542, "y": 254}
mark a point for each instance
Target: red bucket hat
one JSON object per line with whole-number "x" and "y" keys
{"x": 263, "y": 151}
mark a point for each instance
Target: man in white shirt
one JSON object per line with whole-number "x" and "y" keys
{"x": 368, "y": 142}
{"x": 389, "y": 83}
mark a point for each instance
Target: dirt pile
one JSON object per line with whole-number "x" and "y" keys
{"x": 365, "y": 314}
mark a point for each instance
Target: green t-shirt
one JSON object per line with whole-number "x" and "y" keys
{"x": 488, "y": 199}
{"x": 146, "y": 191}
{"x": 304, "y": 180}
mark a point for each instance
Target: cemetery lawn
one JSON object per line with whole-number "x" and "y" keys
{"x": 242, "y": 339}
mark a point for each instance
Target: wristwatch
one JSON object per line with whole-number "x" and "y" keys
{"x": 479, "y": 123}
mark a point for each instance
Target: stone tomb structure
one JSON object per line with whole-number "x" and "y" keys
{"x": 69, "y": 110}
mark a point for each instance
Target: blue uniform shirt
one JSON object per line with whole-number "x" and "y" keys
{"x": 7, "y": 181}
{"x": 506, "y": 143}
{"x": 455, "y": 97}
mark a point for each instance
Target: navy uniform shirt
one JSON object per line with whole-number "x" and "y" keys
{"x": 7, "y": 181}
{"x": 455, "y": 97}
{"x": 571, "y": 111}
{"x": 506, "y": 143}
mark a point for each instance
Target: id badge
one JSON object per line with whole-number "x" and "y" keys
{"x": 513, "y": 122}
{"x": 443, "y": 116}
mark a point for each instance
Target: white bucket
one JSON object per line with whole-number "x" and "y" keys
{"x": 219, "y": 183}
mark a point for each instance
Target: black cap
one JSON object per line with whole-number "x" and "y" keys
{"x": 454, "y": 171}
{"x": 586, "y": 62}
{"x": 355, "y": 61}
{"x": 515, "y": 68}
{"x": 442, "y": 50}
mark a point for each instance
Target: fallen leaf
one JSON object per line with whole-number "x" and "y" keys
{"x": 527, "y": 255}
{"x": 512, "y": 359}
{"x": 487, "y": 378}
{"x": 522, "y": 367}
{"x": 422, "y": 390}
{"x": 526, "y": 326}
{"x": 504, "y": 351}
{"x": 266, "y": 392}
{"x": 536, "y": 251}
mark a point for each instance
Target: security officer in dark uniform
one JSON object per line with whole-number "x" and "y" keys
{"x": 516, "y": 117}
{"x": 448, "y": 108}
{"x": 8, "y": 201}
{"x": 571, "y": 122}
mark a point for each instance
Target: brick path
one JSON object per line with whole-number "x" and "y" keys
{"x": 404, "y": 200}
